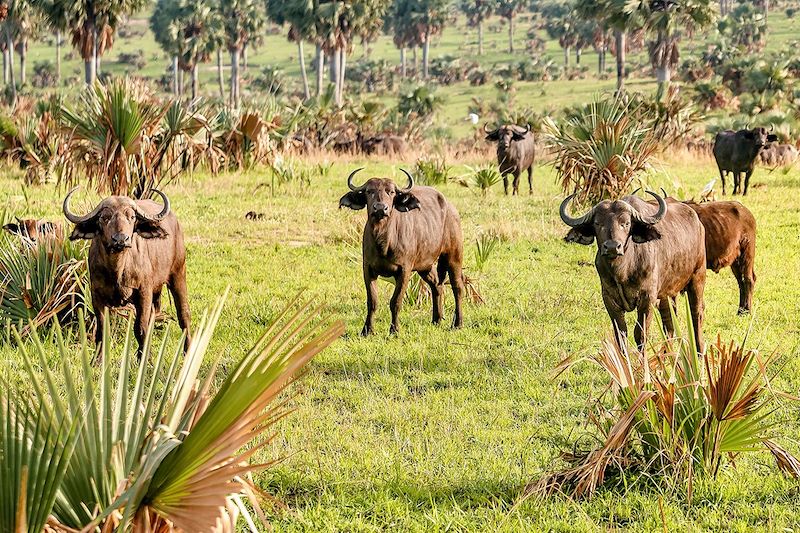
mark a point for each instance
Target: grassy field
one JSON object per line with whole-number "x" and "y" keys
{"x": 439, "y": 430}
{"x": 456, "y": 41}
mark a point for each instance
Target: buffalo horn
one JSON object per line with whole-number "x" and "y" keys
{"x": 574, "y": 222}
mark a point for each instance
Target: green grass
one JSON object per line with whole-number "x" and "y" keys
{"x": 457, "y": 40}
{"x": 438, "y": 430}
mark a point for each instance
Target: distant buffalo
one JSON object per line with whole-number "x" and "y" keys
{"x": 778, "y": 155}
{"x": 411, "y": 229}
{"x": 516, "y": 151}
{"x": 731, "y": 242}
{"x": 32, "y": 229}
{"x": 736, "y": 152}
{"x": 383, "y": 144}
{"x": 646, "y": 255}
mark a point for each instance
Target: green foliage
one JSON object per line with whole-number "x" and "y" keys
{"x": 431, "y": 171}
{"x": 482, "y": 178}
{"x": 675, "y": 413}
{"x": 484, "y": 248}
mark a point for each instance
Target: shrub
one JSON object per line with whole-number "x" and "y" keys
{"x": 431, "y": 171}
{"x": 601, "y": 147}
{"x": 674, "y": 414}
{"x": 44, "y": 74}
{"x": 482, "y": 178}
{"x": 150, "y": 450}
{"x": 272, "y": 81}
{"x": 484, "y": 247}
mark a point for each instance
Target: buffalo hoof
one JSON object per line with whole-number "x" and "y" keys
{"x": 743, "y": 311}
{"x": 365, "y": 331}
{"x": 394, "y": 330}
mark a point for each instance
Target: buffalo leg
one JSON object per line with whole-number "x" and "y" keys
{"x": 370, "y": 280}
{"x": 431, "y": 277}
{"x": 100, "y": 314}
{"x": 747, "y": 181}
{"x": 694, "y": 291}
{"x": 617, "y": 317}
{"x": 516, "y": 183}
{"x": 530, "y": 179}
{"x": 505, "y": 184}
{"x": 144, "y": 308}
{"x": 177, "y": 287}
{"x": 722, "y": 174}
{"x": 737, "y": 180}
{"x": 396, "y": 303}
{"x": 643, "y": 320}
{"x": 746, "y": 278}
{"x": 457, "y": 283}
{"x": 665, "y": 310}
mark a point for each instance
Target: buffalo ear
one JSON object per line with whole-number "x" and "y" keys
{"x": 85, "y": 230}
{"x": 517, "y": 136}
{"x": 355, "y": 200}
{"x": 772, "y": 138}
{"x": 147, "y": 229}
{"x": 642, "y": 233}
{"x": 494, "y": 136}
{"x": 12, "y": 228}
{"x": 405, "y": 201}
{"x": 583, "y": 234}
{"x": 749, "y": 134}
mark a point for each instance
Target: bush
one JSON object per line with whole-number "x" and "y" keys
{"x": 272, "y": 81}
{"x": 674, "y": 414}
{"x": 432, "y": 171}
{"x": 44, "y": 74}
{"x": 482, "y": 178}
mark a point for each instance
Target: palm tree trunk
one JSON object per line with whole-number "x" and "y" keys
{"x": 333, "y": 61}
{"x": 220, "y": 79}
{"x": 195, "y": 81}
{"x": 244, "y": 57}
{"x": 303, "y": 73}
{"x": 10, "y": 47}
{"x": 235, "y": 78}
{"x": 180, "y": 82}
{"x": 95, "y": 54}
{"x": 342, "y": 68}
{"x": 619, "y": 36}
{"x": 511, "y": 34}
{"x": 175, "y": 76}
{"x": 58, "y": 57}
{"x": 416, "y": 61}
{"x": 23, "y": 55}
{"x": 480, "y": 37}
{"x": 320, "y": 70}
{"x": 578, "y": 51}
{"x": 402, "y": 62}
{"x": 88, "y": 69}
{"x": 663, "y": 77}
{"x": 5, "y": 66}
{"x": 566, "y": 56}
{"x": 426, "y": 48}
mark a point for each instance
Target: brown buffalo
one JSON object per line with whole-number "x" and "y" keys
{"x": 736, "y": 152}
{"x": 646, "y": 254}
{"x": 383, "y": 144}
{"x": 408, "y": 230}
{"x": 778, "y": 155}
{"x": 32, "y": 229}
{"x": 516, "y": 150}
{"x": 137, "y": 248}
{"x": 731, "y": 242}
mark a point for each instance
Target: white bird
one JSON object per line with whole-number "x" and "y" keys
{"x": 473, "y": 117}
{"x": 708, "y": 188}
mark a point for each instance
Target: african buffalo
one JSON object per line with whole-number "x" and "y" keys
{"x": 515, "y": 153}
{"x": 384, "y": 144}
{"x": 730, "y": 242}
{"x": 736, "y": 152}
{"x": 778, "y": 155}
{"x": 32, "y": 229}
{"x": 137, "y": 248}
{"x": 646, "y": 255}
{"x": 408, "y": 230}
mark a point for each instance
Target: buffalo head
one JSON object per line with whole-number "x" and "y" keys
{"x": 613, "y": 224}
{"x": 379, "y": 196}
{"x": 759, "y": 136}
{"x": 504, "y": 135}
{"x": 115, "y": 220}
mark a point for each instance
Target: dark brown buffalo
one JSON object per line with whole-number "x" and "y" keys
{"x": 408, "y": 230}
{"x": 736, "y": 152}
{"x": 137, "y": 248}
{"x": 383, "y": 144}
{"x": 731, "y": 242}
{"x": 32, "y": 229}
{"x": 646, "y": 254}
{"x": 516, "y": 151}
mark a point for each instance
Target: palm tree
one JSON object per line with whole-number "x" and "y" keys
{"x": 92, "y": 25}
{"x": 301, "y": 28}
{"x": 416, "y": 22}
{"x": 478, "y": 11}
{"x": 242, "y": 21}
{"x": 508, "y": 9}
{"x": 665, "y": 18}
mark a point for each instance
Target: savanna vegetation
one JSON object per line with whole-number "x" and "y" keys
{"x": 531, "y": 417}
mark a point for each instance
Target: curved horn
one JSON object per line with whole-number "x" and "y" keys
{"x": 650, "y": 220}
{"x": 574, "y": 222}
{"x": 772, "y": 127}
{"x": 154, "y": 218}
{"x": 350, "y": 180}
{"x": 488, "y": 131}
{"x": 77, "y": 219}
{"x": 410, "y": 179}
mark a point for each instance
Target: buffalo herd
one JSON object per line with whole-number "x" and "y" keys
{"x": 647, "y": 252}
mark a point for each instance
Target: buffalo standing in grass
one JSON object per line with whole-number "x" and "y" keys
{"x": 516, "y": 151}
{"x": 408, "y": 230}
{"x": 731, "y": 242}
{"x": 737, "y": 151}
{"x": 779, "y": 155}
{"x": 137, "y": 248}
{"x": 32, "y": 229}
{"x": 646, "y": 255}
